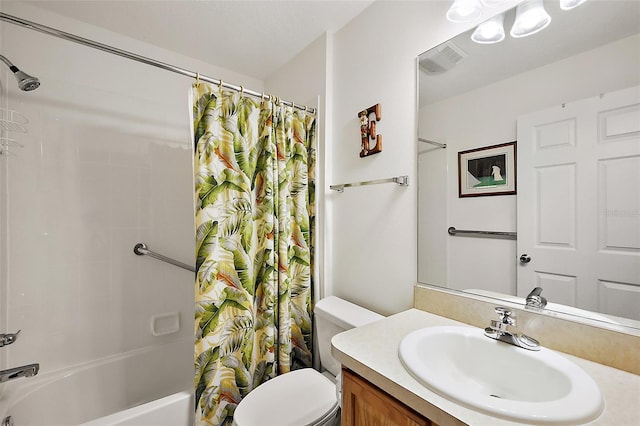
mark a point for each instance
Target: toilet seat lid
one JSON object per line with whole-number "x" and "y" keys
{"x": 300, "y": 397}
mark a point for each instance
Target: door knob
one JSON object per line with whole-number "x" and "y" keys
{"x": 525, "y": 258}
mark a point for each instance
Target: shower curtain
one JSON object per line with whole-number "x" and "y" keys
{"x": 254, "y": 191}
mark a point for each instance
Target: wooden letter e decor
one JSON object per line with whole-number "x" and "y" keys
{"x": 368, "y": 130}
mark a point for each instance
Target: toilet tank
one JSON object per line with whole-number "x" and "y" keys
{"x": 332, "y": 316}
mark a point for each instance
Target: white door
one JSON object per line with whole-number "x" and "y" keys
{"x": 579, "y": 203}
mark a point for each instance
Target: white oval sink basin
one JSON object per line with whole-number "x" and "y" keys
{"x": 463, "y": 365}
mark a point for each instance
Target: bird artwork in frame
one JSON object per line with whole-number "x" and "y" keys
{"x": 486, "y": 171}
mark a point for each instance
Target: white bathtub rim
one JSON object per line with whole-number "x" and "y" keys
{"x": 14, "y": 392}
{"x": 132, "y": 413}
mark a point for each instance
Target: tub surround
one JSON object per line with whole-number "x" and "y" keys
{"x": 101, "y": 388}
{"x": 371, "y": 351}
{"x": 591, "y": 341}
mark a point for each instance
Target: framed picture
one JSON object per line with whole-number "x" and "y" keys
{"x": 487, "y": 171}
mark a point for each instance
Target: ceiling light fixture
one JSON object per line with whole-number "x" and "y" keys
{"x": 570, "y": 4}
{"x": 490, "y": 31}
{"x": 492, "y": 3}
{"x": 530, "y": 18}
{"x": 464, "y": 11}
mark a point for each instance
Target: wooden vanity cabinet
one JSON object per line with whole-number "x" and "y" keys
{"x": 364, "y": 404}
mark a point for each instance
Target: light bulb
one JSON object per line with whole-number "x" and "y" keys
{"x": 464, "y": 11}
{"x": 490, "y": 31}
{"x": 570, "y": 4}
{"x": 530, "y": 18}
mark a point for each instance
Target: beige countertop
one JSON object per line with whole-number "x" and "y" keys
{"x": 372, "y": 352}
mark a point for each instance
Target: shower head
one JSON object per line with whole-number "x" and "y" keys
{"x": 26, "y": 82}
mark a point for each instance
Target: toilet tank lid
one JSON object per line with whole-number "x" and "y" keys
{"x": 345, "y": 314}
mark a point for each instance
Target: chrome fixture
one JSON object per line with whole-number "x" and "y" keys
{"x": 7, "y": 421}
{"x": 8, "y": 338}
{"x": 400, "y": 180}
{"x": 141, "y": 250}
{"x": 14, "y": 373}
{"x": 498, "y": 330}
{"x": 24, "y": 23}
{"x": 534, "y": 300}
{"x": 438, "y": 144}
{"x": 496, "y": 234}
{"x": 26, "y": 82}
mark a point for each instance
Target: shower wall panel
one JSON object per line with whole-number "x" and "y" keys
{"x": 106, "y": 163}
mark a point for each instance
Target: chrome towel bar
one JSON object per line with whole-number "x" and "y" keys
{"x": 400, "y": 180}
{"x": 438, "y": 144}
{"x": 506, "y": 235}
{"x": 141, "y": 250}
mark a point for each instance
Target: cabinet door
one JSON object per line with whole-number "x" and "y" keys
{"x": 363, "y": 404}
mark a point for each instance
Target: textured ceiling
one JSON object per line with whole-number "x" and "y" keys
{"x": 254, "y": 38}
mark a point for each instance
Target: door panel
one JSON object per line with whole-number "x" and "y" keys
{"x": 579, "y": 203}
{"x": 556, "y": 200}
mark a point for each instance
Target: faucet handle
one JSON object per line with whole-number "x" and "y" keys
{"x": 506, "y": 316}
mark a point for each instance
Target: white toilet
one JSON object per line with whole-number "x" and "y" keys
{"x": 306, "y": 397}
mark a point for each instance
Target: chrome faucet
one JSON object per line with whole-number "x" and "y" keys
{"x": 535, "y": 300}
{"x": 14, "y": 373}
{"x": 498, "y": 330}
{"x": 8, "y": 338}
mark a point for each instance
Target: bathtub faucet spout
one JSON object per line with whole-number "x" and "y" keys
{"x": 8, "y": 338}
{"x": 24, "y": 371}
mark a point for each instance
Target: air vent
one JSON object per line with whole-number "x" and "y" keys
{"x": 441, "y": 58}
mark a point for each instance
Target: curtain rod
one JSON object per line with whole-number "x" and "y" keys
{"x": 125, "y": 54}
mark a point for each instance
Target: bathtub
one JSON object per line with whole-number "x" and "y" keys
{"x": 151, "y": 386}
{"x": 172, "y": 410}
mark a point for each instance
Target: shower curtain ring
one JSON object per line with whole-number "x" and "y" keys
{"x": 197, "y": 79}
{"x": 293, "y": 105}
{"x": 220, "y": 83}
{"x": 241, "y": 90}
{"x": 305, "y": 108}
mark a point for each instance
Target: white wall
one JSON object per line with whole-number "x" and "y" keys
{"x": 371, "y": 251}
{"x": 304, "y": 81}
{"x": 489, "y": 115}
{"x": 106, "y": 163}
{"x": 370, "y": 231}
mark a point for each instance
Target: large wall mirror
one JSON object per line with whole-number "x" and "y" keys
{"x": 569, "y": 96}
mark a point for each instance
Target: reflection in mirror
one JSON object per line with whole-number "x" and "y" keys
{"x": 570, "y": 96}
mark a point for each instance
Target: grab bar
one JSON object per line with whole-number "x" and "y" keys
{"x": 507, "y": 235}
{"x": 400, "y": 180}
{"x": 438, "y": 144}
{"x": 141, "y": 250}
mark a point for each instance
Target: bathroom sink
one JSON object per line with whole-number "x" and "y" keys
{"x": 466, "y": 367}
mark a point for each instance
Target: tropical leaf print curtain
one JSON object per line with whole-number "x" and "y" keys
{"x": 254, "y": 190}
